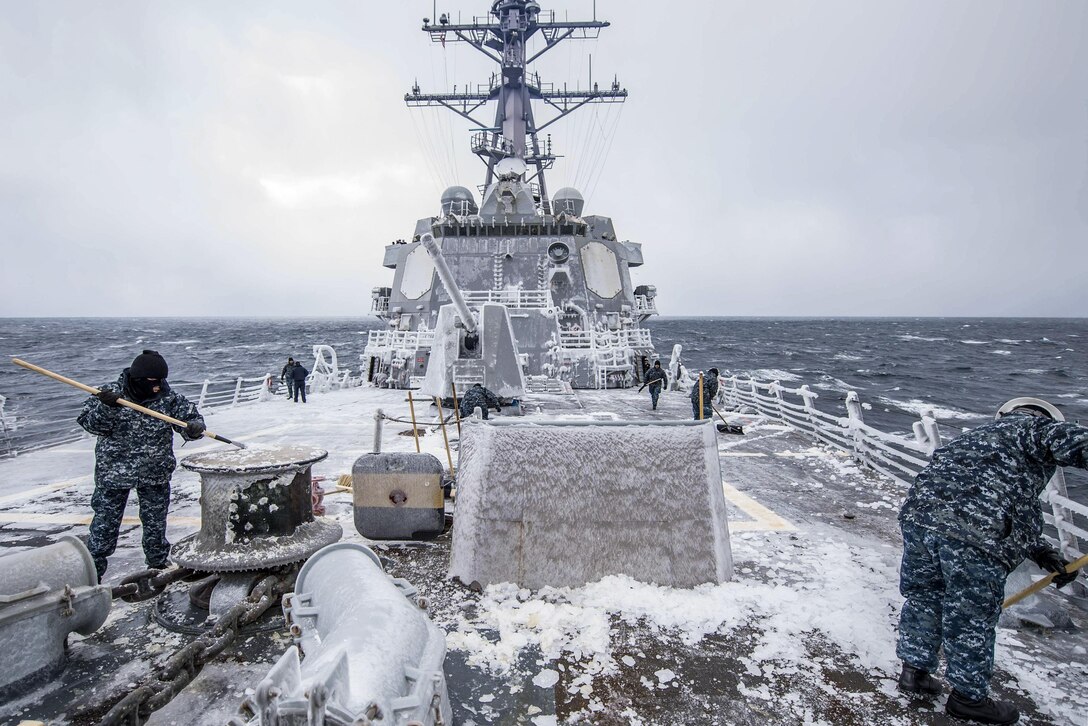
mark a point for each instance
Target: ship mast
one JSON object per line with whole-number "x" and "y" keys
{"x": 503, "y": 37}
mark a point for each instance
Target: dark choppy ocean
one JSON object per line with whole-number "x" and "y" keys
{"x": 963, "y": 369}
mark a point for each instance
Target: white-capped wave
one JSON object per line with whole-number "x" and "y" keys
{"x": 1009, "y": 342}
{"x": 830, "y": 383}
{"x": 847, "y": 356}
{"x": 1001, "y": 352}
{"x": 976, "y": 342}
{"x": 919, "y": 407}
{"x": 919, "y": 337}
{"x": 773, "y": 374}
{"x": 178, "y": 342}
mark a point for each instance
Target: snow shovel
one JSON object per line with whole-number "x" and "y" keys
{"x": 121, "y": 401}
{"x": 1032, "y": 589}
{"x": 725, "y": 427}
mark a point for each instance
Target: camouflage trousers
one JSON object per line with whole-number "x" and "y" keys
{"x": 953, "y": 597}
{"x": 708, "y": 412}
{"x": 109, "y": 508}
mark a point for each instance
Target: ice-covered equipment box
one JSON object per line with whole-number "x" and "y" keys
{"x": 563, "y": 503}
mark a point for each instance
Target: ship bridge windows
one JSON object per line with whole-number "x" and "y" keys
{"x": 479, "y": 227}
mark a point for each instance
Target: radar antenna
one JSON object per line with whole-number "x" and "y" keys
{"x": 503, "y": 37}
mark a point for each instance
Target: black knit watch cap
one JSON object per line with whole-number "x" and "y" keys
{"x": 149, "y": 364}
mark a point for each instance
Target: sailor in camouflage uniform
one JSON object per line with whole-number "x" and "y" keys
{"x": 971, "y": 517}
{"x": 710, "y": 390}
{"x": 478, "y": 396}
{"x": 656, "y": 378}
{"x": 135, "y": 450}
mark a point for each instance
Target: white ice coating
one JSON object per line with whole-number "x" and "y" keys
{"x": 363, "y": 639}
{"x": 255, "y": 457}
{"x": 558, "y": 505}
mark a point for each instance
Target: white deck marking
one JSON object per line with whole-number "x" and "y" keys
{"x": 28, "y": 493}
{"x": 764, "y": 518}
{"x": 30, "y": 517}
{"x": 755, "y": 454}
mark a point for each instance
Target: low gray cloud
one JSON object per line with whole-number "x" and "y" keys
{"x": 840, "y": 158}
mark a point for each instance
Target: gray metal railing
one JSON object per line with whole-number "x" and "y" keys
{"x": 57, "y": 425}
{"x": 899, "y": 457}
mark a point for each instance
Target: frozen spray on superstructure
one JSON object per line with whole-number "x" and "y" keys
{"x": 563, "y": 276}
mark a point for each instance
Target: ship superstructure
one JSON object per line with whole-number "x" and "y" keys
{"x": 563, "y": 275}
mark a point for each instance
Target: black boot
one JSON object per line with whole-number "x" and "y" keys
{"x": 918, "y": 681}
{"x": 986, "y": 710}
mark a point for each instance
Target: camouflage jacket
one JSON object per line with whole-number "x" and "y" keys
{"x": 134, "y": 448}
{"x": 478, "y": 396}
{"x": 656, "y": 377}
{"x": 710, "y": 390}
{"x": 983, "y": 487}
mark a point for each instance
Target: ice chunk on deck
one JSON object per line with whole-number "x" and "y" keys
{"x": 563, "y": 503}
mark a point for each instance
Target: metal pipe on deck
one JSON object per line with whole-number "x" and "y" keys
{"x": 446, "y": 277}
{"x": 372, "y": 655}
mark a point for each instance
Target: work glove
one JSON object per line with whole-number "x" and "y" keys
{"x": 108, "y": 397}
{"x": 1051, "y": 561}
{"x": 194, "y": 429}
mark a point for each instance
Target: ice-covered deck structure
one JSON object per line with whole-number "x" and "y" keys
{"x": 566, "y": 502}
{"x": 564, "y": 275}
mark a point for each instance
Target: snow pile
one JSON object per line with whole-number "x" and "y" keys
{"x": 811, "y": 593}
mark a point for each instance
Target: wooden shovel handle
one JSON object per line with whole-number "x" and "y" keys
{"x": 128, "y": 404}
{"x": 1036, "y": 587}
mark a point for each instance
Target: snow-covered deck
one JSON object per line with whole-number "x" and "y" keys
{"x": 805, "y": 633}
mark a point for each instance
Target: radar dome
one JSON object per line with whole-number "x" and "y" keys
{"x": 459, "y": 201}
{"x": 569, "y": 200}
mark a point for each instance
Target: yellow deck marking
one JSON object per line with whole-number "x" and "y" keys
{"x": 28, "y": 493}
{"x": 764, "y": 518}
{"x": 33, "y": 518}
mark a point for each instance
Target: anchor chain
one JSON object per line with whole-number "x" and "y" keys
{"x": 177, "y": 671}
{"x": 146, "y": 584}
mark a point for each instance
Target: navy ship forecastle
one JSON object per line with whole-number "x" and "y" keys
{"x": 562, "y": 276}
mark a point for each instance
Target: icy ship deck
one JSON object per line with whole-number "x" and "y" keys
{"x": 803, "y": 634}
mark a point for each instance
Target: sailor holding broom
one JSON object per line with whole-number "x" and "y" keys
{"x": 135, "y": 451}
{"x": 971, "y": 517}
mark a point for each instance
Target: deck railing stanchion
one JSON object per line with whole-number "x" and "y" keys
{"x": 775, "y": 389}
{"x": 933, "y": 434}
{"x": 855, "y": 416}
{"x": 809, "y": 399}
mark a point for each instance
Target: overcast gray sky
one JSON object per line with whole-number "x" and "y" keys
{"x": 786, "y": 158}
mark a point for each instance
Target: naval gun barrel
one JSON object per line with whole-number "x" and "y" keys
{"x": 446, "y": 277}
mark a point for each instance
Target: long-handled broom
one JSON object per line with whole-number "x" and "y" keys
{"x": 128, "y": 404}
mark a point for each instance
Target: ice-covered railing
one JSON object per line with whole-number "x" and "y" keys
{"x": 898, "y": 457}
{"x": 382, "y": 343}
{"x": 599, "y": 340}
{"x": 511, "y": 298}
{"x": 645, "y": 305}
{"x": 56, "y": 424}
{"x": 230, "y": 392}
